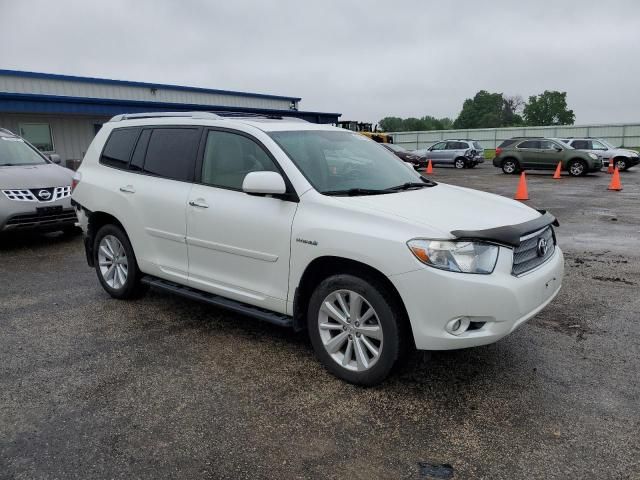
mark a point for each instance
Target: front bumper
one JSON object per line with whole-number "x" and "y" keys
{"x": 497, "y": 304}
{"x": 48, "y": 216}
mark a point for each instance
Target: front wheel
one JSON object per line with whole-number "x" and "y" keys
{"x": 355, "y": 329}
{"x": 621, "y": 163}
{"x": 577, "y": 168}
{"x": 116, "y": 263}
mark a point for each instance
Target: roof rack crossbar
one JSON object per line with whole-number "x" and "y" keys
{"x": 131, "y": 116}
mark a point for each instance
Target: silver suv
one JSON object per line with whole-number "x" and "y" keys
{"x": 459, "y": 153}
{"x": 623, "y": 158}
{"x": 35, "y": 193}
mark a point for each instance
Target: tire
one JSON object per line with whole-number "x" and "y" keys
{"x": 621, "y": 163}
{"x": 123, "y": 280}
{"x": 577, "y": 168}
{"x": 510, "y": 166}
{"x": 350, "y": 358}
{"x": 460, "y": 163}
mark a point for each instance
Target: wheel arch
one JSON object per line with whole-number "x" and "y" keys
{"x": 325, "y": 266}
{"x": 95, "y": 221}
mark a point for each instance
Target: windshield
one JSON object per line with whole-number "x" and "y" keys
{"x": 607, "y": 144}
{"x": 13, "y": 151}
{"x": 340, "y": 161}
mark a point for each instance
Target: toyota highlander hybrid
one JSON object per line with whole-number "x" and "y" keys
{"x": 312, "y": 227}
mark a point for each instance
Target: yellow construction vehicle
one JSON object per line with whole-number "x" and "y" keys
{"x": 366, "y": 129}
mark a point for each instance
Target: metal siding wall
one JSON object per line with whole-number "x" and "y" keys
{"x": 71, "y": 135}
{"x": 17, "y": 84}
{"x": 627, "y": 135}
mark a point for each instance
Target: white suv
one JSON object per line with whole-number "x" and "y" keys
{"x": 312, "y": 227}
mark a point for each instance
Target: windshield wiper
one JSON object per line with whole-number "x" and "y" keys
{"x": 410, "y": 185}
{"x": 352, "y": 192}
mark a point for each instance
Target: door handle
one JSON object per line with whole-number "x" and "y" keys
{"x": 198, "y": 203}
{"x": 128, "y": 189}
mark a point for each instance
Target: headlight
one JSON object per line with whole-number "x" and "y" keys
{"x": 465, "y": 257}
{"x": 593, "y": 156}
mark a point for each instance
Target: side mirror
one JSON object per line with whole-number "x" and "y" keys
{"x": 55, "y": 158}
{"x": 557, "y": 149}
{"x": 264, "y": 183}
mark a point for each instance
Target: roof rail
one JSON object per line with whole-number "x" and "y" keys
{"x": 266, "y": 116}
{"x": 131, "y": 116}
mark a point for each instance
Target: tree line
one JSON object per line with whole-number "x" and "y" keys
{"x": 493, "y": 110}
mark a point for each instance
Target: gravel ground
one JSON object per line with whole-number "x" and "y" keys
{"x": 161, "y": 387}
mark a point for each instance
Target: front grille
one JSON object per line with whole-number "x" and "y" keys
{"x": 42, "y": 195}
{"x": 37, "y": 220}
{"x": 529, "y": 255}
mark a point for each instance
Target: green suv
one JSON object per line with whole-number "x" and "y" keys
{"x": 517, "y": 154}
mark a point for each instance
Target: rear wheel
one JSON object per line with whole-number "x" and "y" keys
{"x": 577, "y": 168}
{"x": 116, "y": 263}
{"x": 355, "y": 328}
{"x": 460, "y": 162}
{"x": 510, "y": 166}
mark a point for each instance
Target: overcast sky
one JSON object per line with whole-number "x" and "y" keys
{"x": 365, "y": 59}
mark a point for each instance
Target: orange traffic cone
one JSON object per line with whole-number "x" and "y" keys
{"x": 556, "y": 175}
{"x": 610, "y": 169}
{"x": 521, "y": 192}
{"x": 615, "y": 181}
{"x": 429, "y": 167}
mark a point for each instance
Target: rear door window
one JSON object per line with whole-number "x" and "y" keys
{"x": 117, "y": 150}
{"x": 530, "y": 144}
{"x": 171, "y": 153}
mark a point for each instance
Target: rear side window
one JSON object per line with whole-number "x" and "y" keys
{"x": 171, "y": 153}
{"x": 530, "y": 144}
{"x": 117, "y": 150}
{"x": 507, "y": 143}
{"x": 581, "y": 144}
{"x": 137, "y": 160}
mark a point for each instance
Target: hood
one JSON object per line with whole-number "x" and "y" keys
{"x": 35, "y": 176}
{"x": 446, "y": 208}
{"x": 623, "y": 151}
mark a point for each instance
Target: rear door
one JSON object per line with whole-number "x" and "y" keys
{"x": 529, "y": 151}
{"x": 163, "y": 162}
{"x": 238, "y": 244}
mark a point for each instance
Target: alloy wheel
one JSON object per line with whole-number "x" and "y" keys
{"x": 459, "y": 163}
{"x": 576, "y": 169}
{"x": 509, "y": 167}
{"x": 350, "y": 330}
{"x": 113, "y": 263}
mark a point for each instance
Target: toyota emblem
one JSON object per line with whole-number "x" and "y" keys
{"x": 542, "y": 247}
{"x": 44, "y": 194}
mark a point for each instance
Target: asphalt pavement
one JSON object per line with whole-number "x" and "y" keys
{"x": 162, "y": 387}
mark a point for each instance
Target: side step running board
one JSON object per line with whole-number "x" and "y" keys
{"x": 238, "y": 307}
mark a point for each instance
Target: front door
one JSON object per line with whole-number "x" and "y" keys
{"x": 238, "y": 244}
{"x": 549, "y": 155}
{"x": 437, "y": 153}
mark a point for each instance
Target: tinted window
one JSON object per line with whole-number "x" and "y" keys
{"x": 530, "y": 144}
{"x": 548, "y": 145}
{"x": 171, "y": 153}
{"x": 137, "y": 160}
{"x": 507, "y": 143}
{"x": 117, "y": 150}
{"x": 581, "y": 144}
{"x": 228, "y": 157}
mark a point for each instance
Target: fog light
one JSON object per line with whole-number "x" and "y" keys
{"x": 457, "y": 326}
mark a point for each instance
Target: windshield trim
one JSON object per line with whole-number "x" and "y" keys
{"x": 29, "y": 145}
{"x": 273, "y": 136}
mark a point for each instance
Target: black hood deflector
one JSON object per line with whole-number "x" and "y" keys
{"x": 509, "y": 234}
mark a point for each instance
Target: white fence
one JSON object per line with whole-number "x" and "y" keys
{"x": 627, "y": 135}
